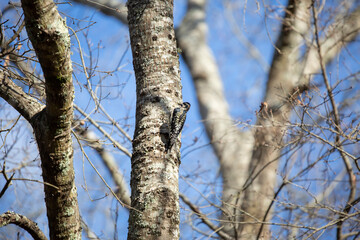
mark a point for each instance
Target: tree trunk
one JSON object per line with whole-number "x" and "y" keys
{"x": 154, "y": 175}
{"x": 284, "y": 76}
{"x": 49, "y": 36}
{"x": 232, "y": 147}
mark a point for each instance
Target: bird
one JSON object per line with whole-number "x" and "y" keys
{"x": 177, "y": 124}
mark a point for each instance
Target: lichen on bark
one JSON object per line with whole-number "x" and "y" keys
{"x": 154, "y": 175}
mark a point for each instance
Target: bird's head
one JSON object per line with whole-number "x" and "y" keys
{"x": 186, "y": 105}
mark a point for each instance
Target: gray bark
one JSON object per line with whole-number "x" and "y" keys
{"x": 23, "y": 222}
{"x": 52, "y": 125}
{"x": 155, "y": 212}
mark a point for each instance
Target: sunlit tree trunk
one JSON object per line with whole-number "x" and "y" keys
{"x": 154, "y": 175}
{"x": 52, "y": 126}
{"x": 284, "y": 77}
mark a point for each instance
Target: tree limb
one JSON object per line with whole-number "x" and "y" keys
{"x": 93, "y": 122}
{"x": 204, "y": 219}
{"x": 232, "y": 147}
{"x": 341, "y": 33}
{"x": 26, "y": 105}
{"x": 50, "y": 38}
{"x": 111, "y": 8}
{"x": 23, "y": 222}
{"x": 93, "y": 141}
{"x": 283, "y": 77}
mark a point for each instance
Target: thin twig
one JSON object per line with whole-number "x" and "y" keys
{"x": 92, "y": 94}
{"x": 204, "y": 219}
{"x": 101, "y": 177}
{"x": 337, "y": 122}
{"x": 8, "y": 181}
{"x": 93, "y": 122}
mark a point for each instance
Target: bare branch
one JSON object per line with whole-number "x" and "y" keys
{"x": 283, "y": 77}
{"x": 109, "y": 7}
{"x": 8, "y": 181}
{"x": 252, "y": 50}
{"x": 93, "y": 122}
{"x": 204, "y": 219}
{"x": 23, "y": 222}
{"x": 101, "y": 177}
{"x": 27, "y": 106}
{"x": 337, "y": 124}
{"x": 93, "y": 141}
{"x": 232, "y": 147}
{"x": 340, "y": 34}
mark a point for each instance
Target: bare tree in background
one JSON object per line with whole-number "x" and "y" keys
{"x": 249, "y": 166}
{"x": 291, "y": 174}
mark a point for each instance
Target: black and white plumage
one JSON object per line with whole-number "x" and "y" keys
{"x": 177, "y": 124}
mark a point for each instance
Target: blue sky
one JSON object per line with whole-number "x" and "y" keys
{"x": 244, "y": 84}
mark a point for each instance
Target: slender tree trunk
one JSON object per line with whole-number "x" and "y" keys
{"x": 284, "y": 76}
{"x": 154, "y": 176}
{"x": 232, "y": 146}
{"x": 52, "y": 126}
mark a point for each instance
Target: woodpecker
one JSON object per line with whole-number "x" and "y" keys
{"x": 177, "y": 124}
